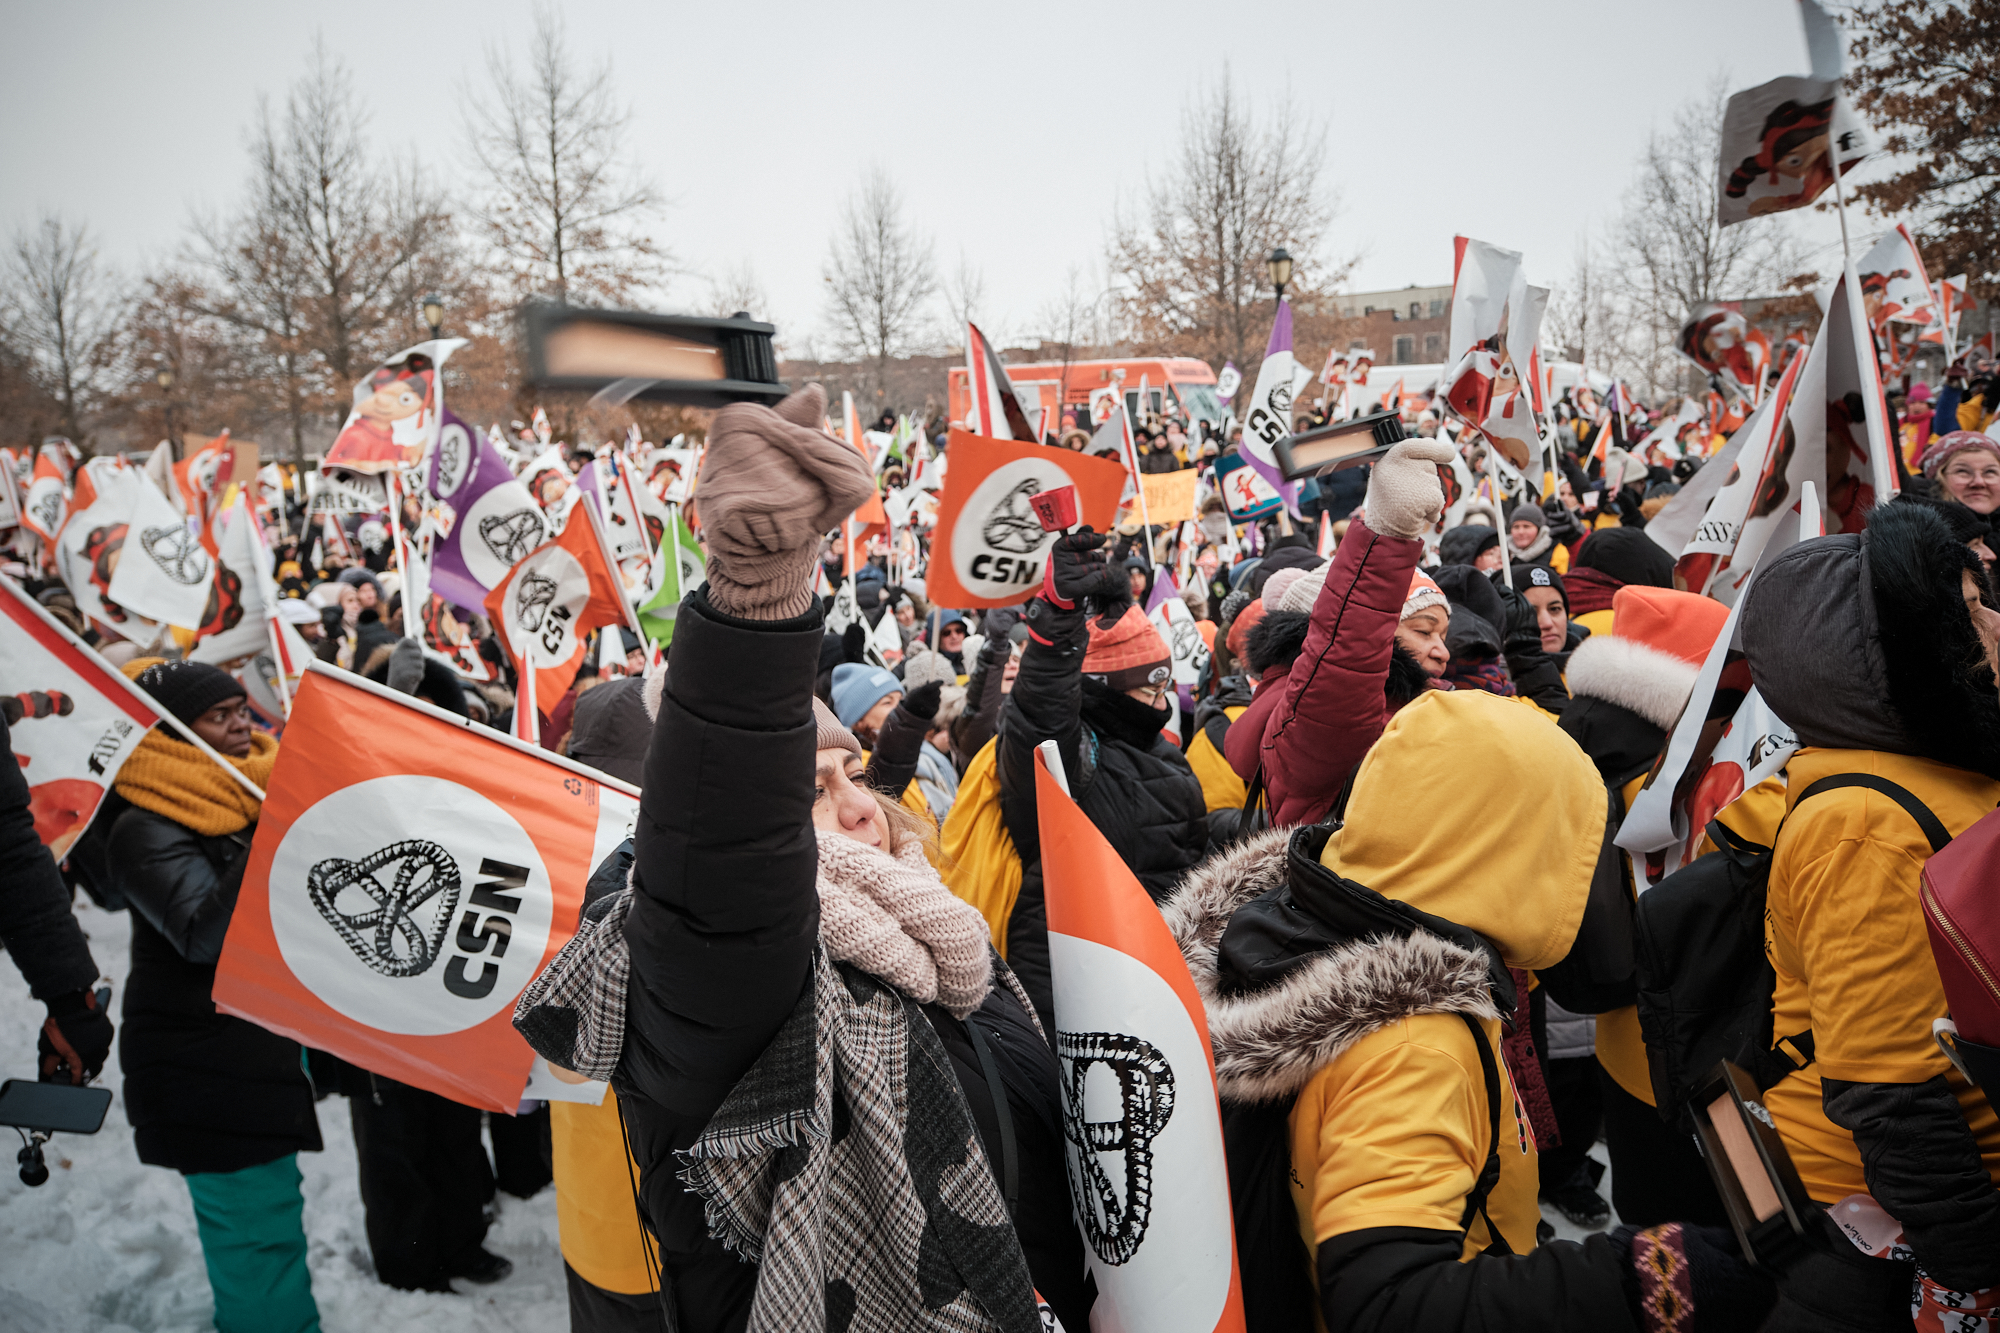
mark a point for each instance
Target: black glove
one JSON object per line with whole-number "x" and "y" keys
{"x": 854, "y": 643}
{"x": 1729, "y": 1296}
{"x": 1521, "y": 635}
{"x": 1836, "y": 1288}
{"x": 1077, "y": 569}
{"x": 36, "y": 704}
{"x": 996, "y": 625}
{"x": 76, "y": 1039}
{"x": 1563, "y": 525}
{"x": 922, "y": 702}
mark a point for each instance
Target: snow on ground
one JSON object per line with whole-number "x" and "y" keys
{"x": 109, "y": 1245}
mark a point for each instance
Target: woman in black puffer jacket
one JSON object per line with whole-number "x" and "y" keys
{"x": 214, "y": 1097}
{"x": 823, "y": 1069}
{"x": 1101, "y": 687}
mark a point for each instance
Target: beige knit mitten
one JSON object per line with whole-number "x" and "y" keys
{"x": 1404, "y": 493}
{"x": 772, "y": 485}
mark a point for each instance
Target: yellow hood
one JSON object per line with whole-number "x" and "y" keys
{"x": 1476, "y": 809}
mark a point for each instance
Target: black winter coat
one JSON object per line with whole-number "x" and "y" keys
{"x": 722, "y": 928}
{"x": 36, "y": 924}
{"x": 1134, "y": 784}
{"x": 204, "y": 1091}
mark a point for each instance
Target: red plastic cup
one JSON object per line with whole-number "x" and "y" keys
{"x": 1055, "y": 509}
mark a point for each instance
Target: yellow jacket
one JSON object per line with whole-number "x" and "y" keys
{"x": 1389, "y": 1126}
{"x": 1846, "y": 934}
{"x": 601, "y": 1236}
{"x": 1221, "y": 789}
{"x": 980, "y": 863}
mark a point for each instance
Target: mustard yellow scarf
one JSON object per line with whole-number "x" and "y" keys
{"x": 169, "y": 777}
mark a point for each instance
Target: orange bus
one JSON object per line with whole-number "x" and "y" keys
{"x": 1177, "y": 384}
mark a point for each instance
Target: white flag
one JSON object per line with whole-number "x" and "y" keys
{"x": 163, "y": 573}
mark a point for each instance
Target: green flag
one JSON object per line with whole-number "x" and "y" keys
{"x": 676, "y": 579}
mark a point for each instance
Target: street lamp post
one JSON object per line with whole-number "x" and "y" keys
{"x": 1279, "y": 266}
{"x": 433, "y": 305}
{"x": 164, "y": 377}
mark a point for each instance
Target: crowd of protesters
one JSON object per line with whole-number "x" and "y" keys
{"x": 1379, "y": 826}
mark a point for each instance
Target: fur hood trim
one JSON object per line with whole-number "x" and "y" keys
{"x": 1269, "y": 1043}
{"x": 1631, "y": 675}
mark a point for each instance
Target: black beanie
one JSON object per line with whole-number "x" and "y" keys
{"x": 1628, "y": 555}
{"x": 189, "y": 689}
{"x": 1539, "y": 576}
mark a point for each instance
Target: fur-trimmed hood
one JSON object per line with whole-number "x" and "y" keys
{"x": 1269, "y": 1042}
{"x": 1626, "y": 672}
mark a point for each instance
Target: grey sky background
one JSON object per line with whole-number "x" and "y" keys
{"x": 1014, "y": 130}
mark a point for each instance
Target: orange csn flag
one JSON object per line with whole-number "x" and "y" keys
{"x": 411, "y": 873}
{"x": 988, "y": 549}
{"x": 1147, "y": 1177}
{"x": 549, "y": 602}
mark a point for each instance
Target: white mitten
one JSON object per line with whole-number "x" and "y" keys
{"x": 1404, "y": 494}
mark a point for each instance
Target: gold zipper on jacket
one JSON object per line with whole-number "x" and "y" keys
{"x": 1958, "y": 941}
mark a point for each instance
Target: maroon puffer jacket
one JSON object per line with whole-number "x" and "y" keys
{"x": 1245, "y": 739}
{"x": 1333, "y": 707}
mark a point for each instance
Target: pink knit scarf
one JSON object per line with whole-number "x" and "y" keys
{"x": 893, "y": 918}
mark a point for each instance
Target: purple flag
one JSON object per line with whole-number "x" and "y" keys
{"x": 487, "y": 522}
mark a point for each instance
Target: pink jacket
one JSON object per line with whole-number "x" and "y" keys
{"x": 1333, "y": 706}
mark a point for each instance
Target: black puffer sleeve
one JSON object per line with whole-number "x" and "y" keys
{"x": 724, "y": 912}
{"x": 1407, "y": 1280}
{"x": 1923, "y": 1165}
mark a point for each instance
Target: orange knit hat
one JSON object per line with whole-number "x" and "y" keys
{"x": 1128, "y": 654}
{"x": 1424, "y": 595}
{"x": 1680, "y": 624}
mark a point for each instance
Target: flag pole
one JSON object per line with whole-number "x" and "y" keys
{"x": 1881, "y": 460}
{"x": 412, "y": 626}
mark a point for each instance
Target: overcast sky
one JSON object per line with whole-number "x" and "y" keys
{"x": 1013, "y": 129}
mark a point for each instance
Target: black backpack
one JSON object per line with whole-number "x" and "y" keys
{"x": 1705, "y": 983}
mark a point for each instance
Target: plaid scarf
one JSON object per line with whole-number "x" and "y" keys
{"x": 846, "y": 1165}
{"x": 573, "y": 1012}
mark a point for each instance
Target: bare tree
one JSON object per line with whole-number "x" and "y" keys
{"x": 564, "y": 210}
{"x": 879, "y": 274}
{"x": 1668, "y": 254}
{"x": 1069, "y": 321}
{"x": 737, "y": 289}
{"x": 320, "y": 271}
{"x": 63, "y": 314}
{"x": 1190, "y": 268}
{"x": 964, "y": 296}
{"x": 1584, "y": 321}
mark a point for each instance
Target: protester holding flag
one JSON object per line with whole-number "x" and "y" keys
{"x": 1096, "y": 678}
{"x": 794, "y": 963}
{"x": 1358, "y": 979}
{"x": 1870, "y": 646}
{"x": 212, "y": 1096}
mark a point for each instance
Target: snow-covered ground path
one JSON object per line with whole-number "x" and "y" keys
{"x": 108, "y": 1245}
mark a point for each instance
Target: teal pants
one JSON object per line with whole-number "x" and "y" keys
{"x": 253, "y": 1238}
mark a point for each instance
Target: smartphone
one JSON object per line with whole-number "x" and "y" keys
{"x": 619, "y": 355}
{"x": 1341, "y": 444}
{"x": 54, "y": 1108}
